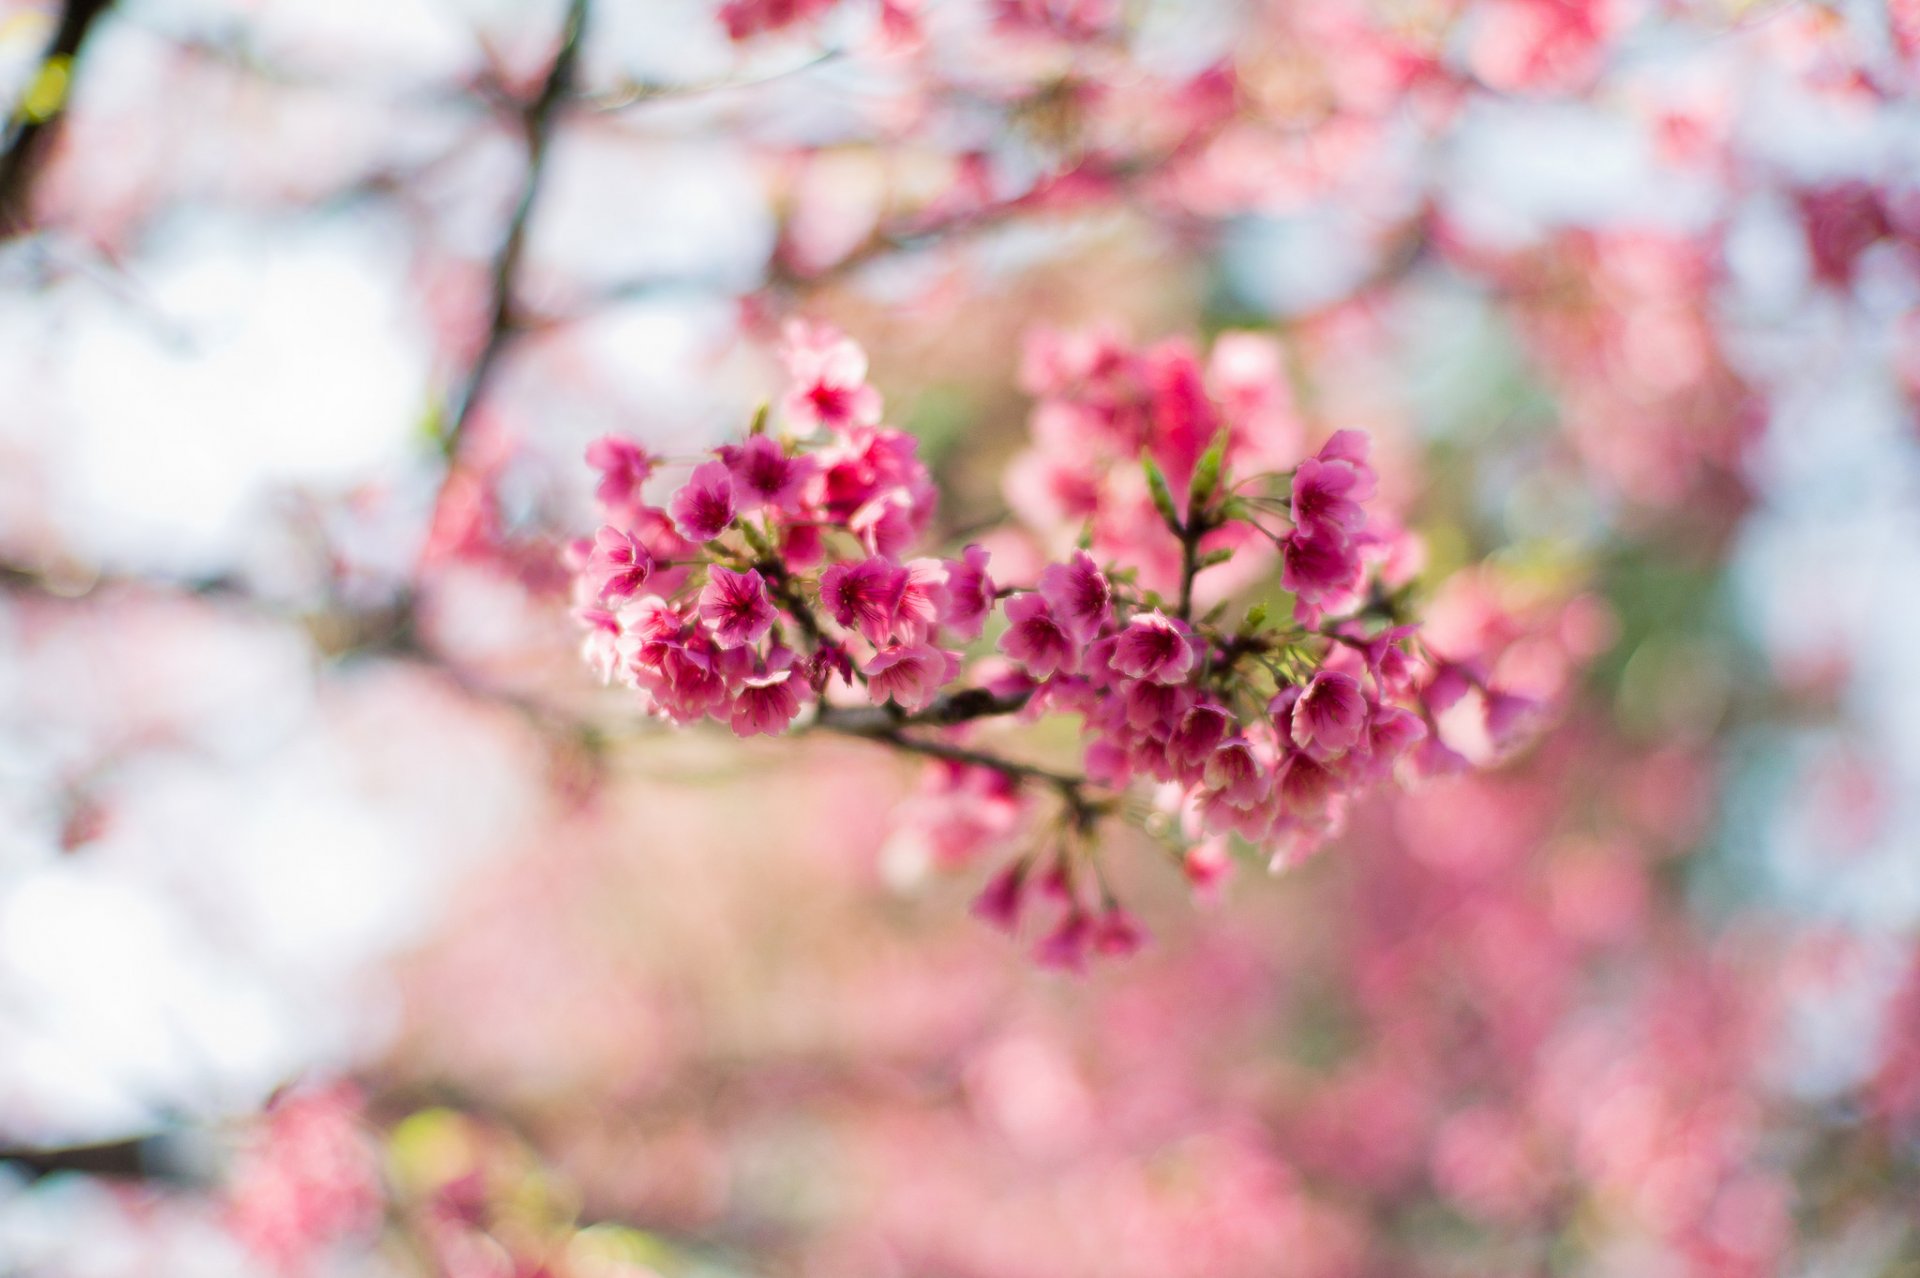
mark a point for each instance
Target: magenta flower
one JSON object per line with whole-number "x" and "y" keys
{"x": 1329, "y": 715}
{"x": 1079, "y": 595}
{"x": 769, "y": 699}
{"x": 1066, "y": 946}
{"x": 1328, "y": 488}
{"x": 1154, "y": 647}
{"x": 910, "y": 675}
{"x": 1116, "y": 934}
{"x": 828, "y": 384}
{"x": 969, "y": 592}
{"x": 1317, "y": 563}
{"x": 922, "y": 602}
{"x": 1387, "y": 661}
{"x": 1391, "y": 732}
{"x": 617, "y": 567}
{"x": 1036, "y": 641}
{"x": 687, "y": 683}
{"x": 1235, "y": 776}
{"x": 736, "y": 605}
{"x": 885, "y": 525}
{"x": 1199, "y": 734}
{"x": 865, "y": 595}
{"x": 829, "y": 662}
{"x": 703, "y": 507}
{"x": 623, "y": 465}
{"x": 763, "y": 474}
{"x": 1000, "y": 901}
{"x": 1155, "y": 708}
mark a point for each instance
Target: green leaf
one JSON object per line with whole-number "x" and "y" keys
{"x": 1162, "y": 495}
{"x": 1206, "y": 475}
{"x": 1256, "y": 617}
{"x": 759, "y": 426}
{"x": 1213, "y": 557}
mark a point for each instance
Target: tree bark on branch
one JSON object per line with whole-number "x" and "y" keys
{"x": 30, "y": 134}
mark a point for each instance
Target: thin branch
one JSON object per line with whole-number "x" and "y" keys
{"x": 33, "y": 132}
{"x": 537, "y": 119}
{"x": 536, "y": 123}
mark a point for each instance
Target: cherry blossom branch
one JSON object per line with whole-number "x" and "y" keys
{"x": 1072, "y": 789}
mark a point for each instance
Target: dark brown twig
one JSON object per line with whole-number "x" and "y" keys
{"x": 30, "y": 135}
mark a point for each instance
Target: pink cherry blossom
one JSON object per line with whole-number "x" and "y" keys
{"x": 1036, "y": 640}
{"x": 828, "y": 387}
{"x": 624, "y": 467}
{"x": 769, "y": 699}
{"x": 1236, "y": 777}
{"x": 764, "y": 475}
{"x": 1318, "y": 563}
{"x": 1078, "y": 594}
{"x": 865, "y": 595}
{"x": 1152, "y": 646}
{"x": 703, "y": 507}
{"x": 1330, "y": 715}
{"x": 1117, "y": 934}
{"x": 1328, "y": 488}
{"x": 1000, "y": 901}
{"x": 1066, "y": 946}
{"x": 969, "y": 593}
{"x": 736, "y": 605}
{"x": 909, "y": 675}
{"x": 617, "y": 567}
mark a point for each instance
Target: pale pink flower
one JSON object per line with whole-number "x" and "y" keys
{"x": 624, "y": 467}
{"x": 828, "y": 385}
{"x": 1078, "y": 594}
{"x": 736, "y": 606}
{"x": 1036, "y": 640}
{"x": 865, "y": 595}
{"x": 1329, "y": 715}
{"x": 910, "y": 675}
{"x": 1154, "y": 647}
{"x": 601, "y": 647}
{"x": 617, "y": 567}
{"x": 703, "y": 507}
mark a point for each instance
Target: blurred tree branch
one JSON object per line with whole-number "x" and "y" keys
{"x": 537, "y": 119}
{"x": 37, "y": 117}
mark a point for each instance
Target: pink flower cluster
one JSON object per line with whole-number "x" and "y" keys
{"x": 780, "y": 572}
{"x": 778, "y": 564}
